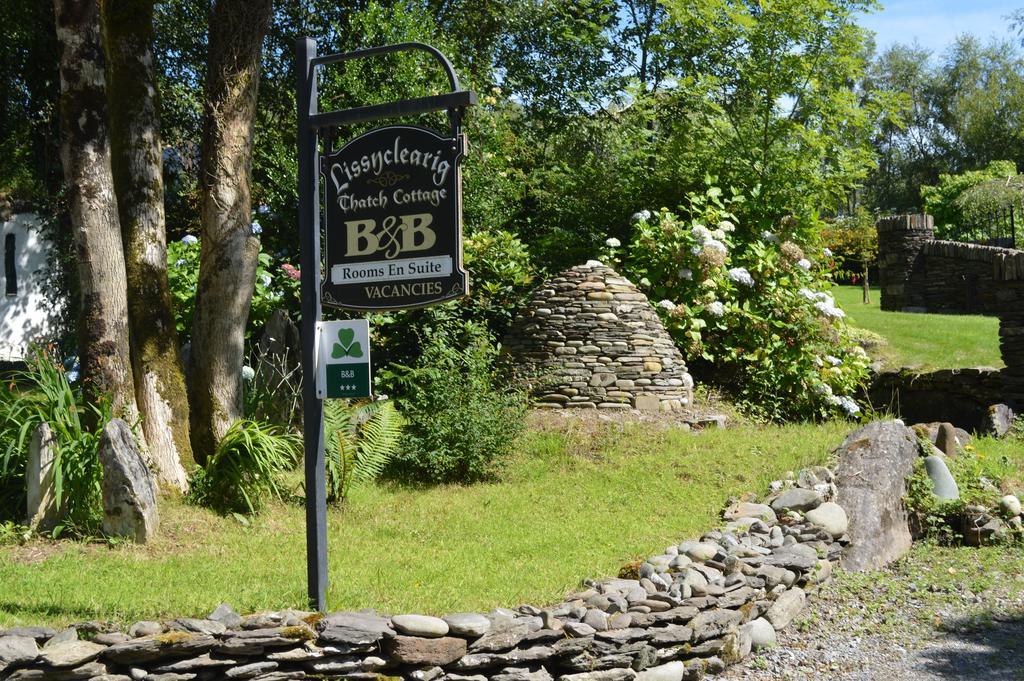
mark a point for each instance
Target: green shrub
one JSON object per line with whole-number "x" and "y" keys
{"x": 955, "y": 199}
{"x": 42, "y": 393}
{"x": 359, "y": 441}
{"x": 759, "y": 319}
{"x": 245, "y": 468}
{"x": 463, "y": 415}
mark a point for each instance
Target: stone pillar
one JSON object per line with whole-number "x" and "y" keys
{"x": 129, "y": 492}
{"x": 41, "y": 510}
{"x": 900, "y": 238}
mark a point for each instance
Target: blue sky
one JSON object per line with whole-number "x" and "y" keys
{"x": 935, "y": 23}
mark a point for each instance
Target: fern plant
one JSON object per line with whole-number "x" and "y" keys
{"x": 359, "y": 441}
{"x": 245, "y": 468}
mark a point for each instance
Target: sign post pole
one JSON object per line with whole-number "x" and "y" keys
{"x": 393, "y": 238}
{"x": 309, "y": 261}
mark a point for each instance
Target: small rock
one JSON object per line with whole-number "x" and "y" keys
{"x": 831, "y": 517}
{"x": 762, "y": 633}
{"x": 71, "y": 653}
{"x": 468, "y": 624}
{"x": 17, "y": 650}
{"x": 1000, "y": 420}
{"x": 796, "y": 499}
{"x": 745, "y": 509}
{"x": 129, "y": 493}
{"x": 672, "y": 671}
{"x": 418, "y": 651}
{"x": 1009, "y": 506}
{"x": 145, "y": 628}
{"x": 785, "y": 608}
{"x": 946, "y": 439}
{"x": 501, "y": 639}
{"x": 226, "y": 616}
{"x": 943, "y": 484}
{"x": 596, "y": 619}
{"x": 579, "y": 629}
{"x": 420, "y": 625}
{"x": 699, "y": 551}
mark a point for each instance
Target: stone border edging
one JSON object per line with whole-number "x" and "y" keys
{"x": 691, "y": 610}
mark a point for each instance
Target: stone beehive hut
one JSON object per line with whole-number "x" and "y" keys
{"x": 592, "y": 339}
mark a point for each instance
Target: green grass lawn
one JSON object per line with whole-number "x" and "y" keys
{"x": 924, "y": 341}
{"x": 579, "y": 502}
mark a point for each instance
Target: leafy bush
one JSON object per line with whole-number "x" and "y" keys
{"x": 760, "y": 319}
{"x": 948, "y": 200}
{"x": 42, "y": 393}
{"x": 463, "y": 414}
{"x": 245, "y": 468}
{"x": 360, "y": 440}
{"x": 276, "y": 286}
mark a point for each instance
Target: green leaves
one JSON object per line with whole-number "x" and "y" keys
{"x": 346, "y": 347}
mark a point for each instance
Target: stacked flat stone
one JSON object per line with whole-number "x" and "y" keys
{"x": 920, "y": 273}
{"x": 690, "y": 610}
{"x": 592, "y": 339}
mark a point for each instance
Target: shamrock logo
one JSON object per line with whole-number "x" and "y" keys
{"x": 346, "y": 346}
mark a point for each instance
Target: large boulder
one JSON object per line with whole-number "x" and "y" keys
{"x": 873, "y": 465}
{"x": 129, "y": 494}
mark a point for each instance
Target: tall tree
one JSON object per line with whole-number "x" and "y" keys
{"x": 228, "y": 255}
{"x": 85, "y": 155}
{"x": 138, "y": 180}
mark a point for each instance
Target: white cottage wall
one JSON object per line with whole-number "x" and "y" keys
{"x": 28, "y": 312}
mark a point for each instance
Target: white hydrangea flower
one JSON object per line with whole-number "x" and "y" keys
{"x": 827, "y": 252}
{"x": 849, "y": 405}
{"x": 612, "y": 242}
{"x": 804, "y": 264}
{"x": 726, "y": 226}
{"x": 700, "y": 233}
{"x": 686, "y": 274}
{"x": 189, "y": 240}
{"x": 769, "y": 237}
{"x": 696, "y": 250}
{"x": 716, "y": 245}
{"x": 740, "y": 275}
{"x": 833, "y": 360}
{"x": 643, "y": 215}
{"x": 808, "y": 294}
{"x": 666, "y": 305}
{"x": 718, "y": 234}
{"x": 248, "y": 373}
{"x": 829, "y": 310}
{"x": 265, "y": 279}
{"x": 716, "y": 309}
{"x": 824, "y": 389}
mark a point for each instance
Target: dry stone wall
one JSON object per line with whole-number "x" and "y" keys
{"x": 919, "y": 273}
{"x": 683, "y": 613}
{"x": 591, "y": 339}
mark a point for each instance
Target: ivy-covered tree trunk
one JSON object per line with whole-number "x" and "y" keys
{"x": 85, "y": 155}
{"x": 228, "y": 253}
{"x": 138, "y": 180}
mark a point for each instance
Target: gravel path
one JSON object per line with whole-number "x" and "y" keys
{"x": 887, "y": 626}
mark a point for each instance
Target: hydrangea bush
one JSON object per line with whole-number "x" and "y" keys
{"x": 759, "y": 318}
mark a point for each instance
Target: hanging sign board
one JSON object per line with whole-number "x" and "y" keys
{"x": 343, "y": 359}
{"x": 394, "y": 220}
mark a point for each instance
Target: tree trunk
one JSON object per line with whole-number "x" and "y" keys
{"x": 228, "y": 253}
{"x": 138, "y": 180}
{"x": 867, "y": 286}
{"x": 85, "y": 155}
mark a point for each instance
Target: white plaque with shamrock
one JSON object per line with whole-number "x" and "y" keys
{"x": 343, "y": 359}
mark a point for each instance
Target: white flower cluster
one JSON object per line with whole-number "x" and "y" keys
{"x": 804, "y": 264}
{"x": 827, "y": 252}
{"x": 248, "y": 373}
{"x": 666, "y": 305}
{"x": 706, "y": 238}
{"x": 740, "y": 275}
{"x": 612, "y": 242}
{"x": 643, "y": 215}
{"x": 189, "y": 240}
{"x": 716, "y": 309}
{"x": 833, "y": 360}
{"x": 823, "y": 303}
{"x": 686, "y": 274}
{"x": 769, "y": 237}
{"x": 846, "y": 403}
{"x": 726, "y": 226}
